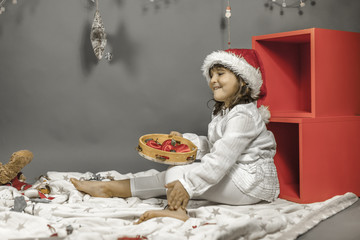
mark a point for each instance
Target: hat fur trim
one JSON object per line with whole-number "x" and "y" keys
{"x": 238, "y": 65}
{"x": 265, "y": 113}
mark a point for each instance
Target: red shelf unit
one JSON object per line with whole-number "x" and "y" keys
{"x": 316, "y": 70}
{"x": 317, "y": 158}
{"x": 313, "y": 77}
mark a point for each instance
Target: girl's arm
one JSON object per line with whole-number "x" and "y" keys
{"x": 239, "y": 132}
{"x": 201, "y": 142}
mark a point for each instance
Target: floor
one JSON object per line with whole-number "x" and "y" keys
{"x": 343, "y": 226}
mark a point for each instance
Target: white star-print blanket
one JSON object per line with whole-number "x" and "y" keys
{"x": 74, "y": 215}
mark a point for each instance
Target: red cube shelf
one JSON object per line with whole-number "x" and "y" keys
{"x": 313, "y": 79}
{"x": 311, "y": 73}
{"x": 317, "y": 158}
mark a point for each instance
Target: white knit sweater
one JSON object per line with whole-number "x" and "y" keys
{"x": 239, "y": 145}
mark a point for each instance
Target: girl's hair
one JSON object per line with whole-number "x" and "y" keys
{"x": 242, "y": 95}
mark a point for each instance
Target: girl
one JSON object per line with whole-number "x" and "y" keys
{"x": 237, "y": 164}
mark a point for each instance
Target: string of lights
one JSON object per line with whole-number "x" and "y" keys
{"x": 2, "y": 5}
{"x": 282, "y": 4}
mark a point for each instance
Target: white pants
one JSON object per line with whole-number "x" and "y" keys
{"x": 154, "y": 186}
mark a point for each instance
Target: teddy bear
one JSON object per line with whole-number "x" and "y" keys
{"x": 11, "y": 170}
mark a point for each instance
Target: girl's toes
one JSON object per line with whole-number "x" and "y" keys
{"x": 143, "y": 218}
{"x": 75, "y": 182}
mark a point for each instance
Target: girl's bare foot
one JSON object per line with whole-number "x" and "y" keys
{"x": 119, "y": 188}
{"x": 179, "y": 214}
{"x": 93, "y": 188}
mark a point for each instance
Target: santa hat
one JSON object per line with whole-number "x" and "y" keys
{"x": 245, "y": 63}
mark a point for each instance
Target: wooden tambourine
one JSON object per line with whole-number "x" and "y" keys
{"x": 169, "y": 158}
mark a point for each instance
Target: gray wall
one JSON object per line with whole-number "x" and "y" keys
{"x": 77, "y": 114}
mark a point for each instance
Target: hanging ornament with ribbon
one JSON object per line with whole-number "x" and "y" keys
{"x": 228, "y": 15}
{"x": 97, "y": 34}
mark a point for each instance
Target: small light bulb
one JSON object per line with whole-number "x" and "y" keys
{"x": 228, "y": 12}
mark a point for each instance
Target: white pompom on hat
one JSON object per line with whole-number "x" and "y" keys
{"x": 245, "y": 63}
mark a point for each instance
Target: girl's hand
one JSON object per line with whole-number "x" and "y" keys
{"x": 177, "y": 195}
{"x": 175, "y": 133}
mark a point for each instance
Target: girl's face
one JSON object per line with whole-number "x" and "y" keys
{"x": 224, "y": 84}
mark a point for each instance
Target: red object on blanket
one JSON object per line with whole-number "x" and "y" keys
{"x": 133, "y": 238}
{"x": 42, "y": 196}
{"x": 19, "y": 185}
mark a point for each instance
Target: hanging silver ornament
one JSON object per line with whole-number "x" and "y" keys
{"x": 108, "y": 56}
{"x": 98, "y": 36}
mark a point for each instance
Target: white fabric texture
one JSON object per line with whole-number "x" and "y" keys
{"x": 149, "y": 186}
{"x": 223, "y": 192}
{"x": 112, "y": 218}
{"x": 239, "y": 145}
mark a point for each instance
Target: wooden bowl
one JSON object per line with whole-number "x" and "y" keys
{"x": 170, "y": 158}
